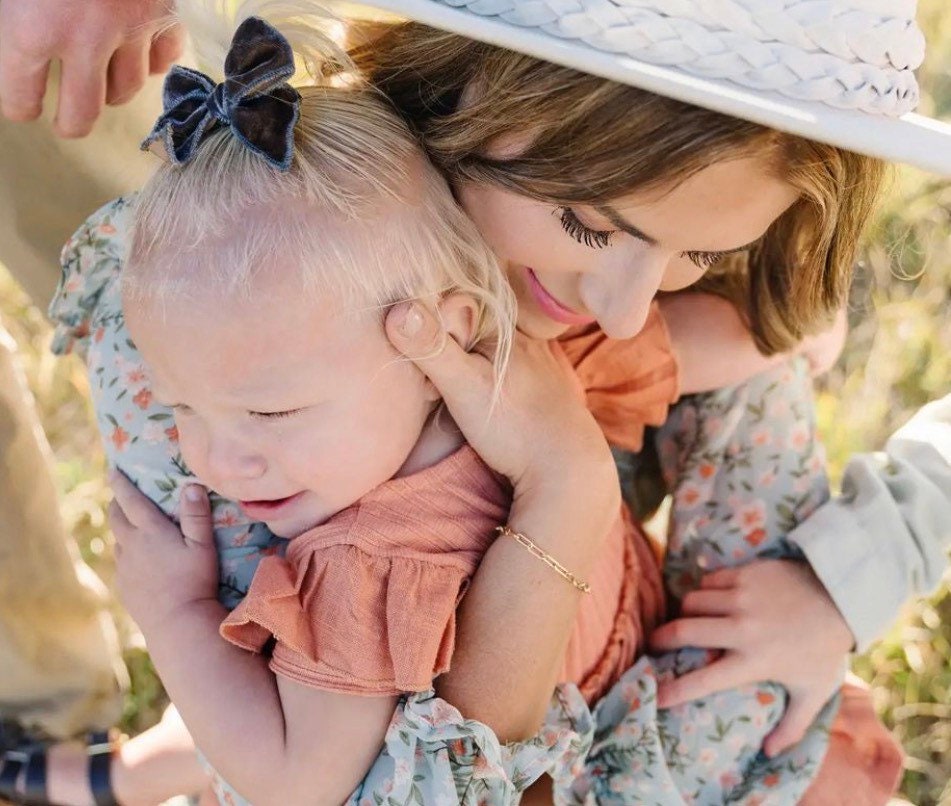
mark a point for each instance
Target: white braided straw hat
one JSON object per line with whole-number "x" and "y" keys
{"x": 836, "y": 71}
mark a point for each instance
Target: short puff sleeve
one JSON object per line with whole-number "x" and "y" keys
{"x": 366, "y": 603}
{"x": 628, "y": 383}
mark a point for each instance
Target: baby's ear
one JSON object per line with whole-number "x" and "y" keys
{"x": 459, "y": 314}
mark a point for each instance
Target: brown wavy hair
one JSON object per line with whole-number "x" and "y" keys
{"x": 593, "y": 141}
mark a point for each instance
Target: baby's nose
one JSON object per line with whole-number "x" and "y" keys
{"x": 229, "y": 460}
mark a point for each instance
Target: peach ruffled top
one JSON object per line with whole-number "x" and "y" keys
{"x": 365, "y": 603}
{"x": 628, "y": 383}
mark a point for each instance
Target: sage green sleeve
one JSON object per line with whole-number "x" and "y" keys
{"x": 886, "y": 537}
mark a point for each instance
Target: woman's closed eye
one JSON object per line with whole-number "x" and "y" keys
{"x": 598, "y": 239}
{"x": 183, "y": 409}
{"x": 570, "y": 223}
{"x": 704, "y": 260}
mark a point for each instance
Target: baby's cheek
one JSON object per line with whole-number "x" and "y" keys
{"x": 192, "y": 446}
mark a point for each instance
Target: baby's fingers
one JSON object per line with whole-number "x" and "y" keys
{"x": 709, "y": 603}
{"x": 137, "y": 509}
{"x": 195, "y": 516}
{"x": 721, "y": 579}
{"x": 727, "y": 672}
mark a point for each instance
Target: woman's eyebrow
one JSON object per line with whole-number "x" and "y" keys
{"x": 614, "y": 217}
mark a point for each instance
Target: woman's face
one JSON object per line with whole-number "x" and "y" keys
{"x": 584, "y": 264}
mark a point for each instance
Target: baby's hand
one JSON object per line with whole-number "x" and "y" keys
{"x": 773, "y": 620}
{"x": 161, "y": 567}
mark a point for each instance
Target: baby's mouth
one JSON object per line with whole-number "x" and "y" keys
{"x": 268, "y": 506}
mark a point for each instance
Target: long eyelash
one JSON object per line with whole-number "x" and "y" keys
{"x": 704, "y": 260}
{"x": 596, "y": 239}
{"x": 274, "y": 415}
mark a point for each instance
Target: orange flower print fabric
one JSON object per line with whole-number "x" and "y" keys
{"x": 139, "y": 435}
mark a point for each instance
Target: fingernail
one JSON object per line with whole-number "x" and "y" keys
{"x": 193, "y": 493}
{"x": 412, "y": 321}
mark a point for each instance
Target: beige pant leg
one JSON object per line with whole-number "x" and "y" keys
{"x": 59, "y": 657}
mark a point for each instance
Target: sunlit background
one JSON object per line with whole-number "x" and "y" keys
{"x": 898, "y": 357}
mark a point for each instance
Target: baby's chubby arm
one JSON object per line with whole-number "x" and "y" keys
{"x": 714, "y": 347}
{"x": 273, "y": 740}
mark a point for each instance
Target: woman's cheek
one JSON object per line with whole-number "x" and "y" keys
{"x": 681, "y": 273}
{"x": 519, "y": 230}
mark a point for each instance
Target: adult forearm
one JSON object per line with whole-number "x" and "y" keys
{"x": 887, "y": 536}
{"x": 516, "y": 619}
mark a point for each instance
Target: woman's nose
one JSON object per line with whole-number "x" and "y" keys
{"x": 620, "y": 297}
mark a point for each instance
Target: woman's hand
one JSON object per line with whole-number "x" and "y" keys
{"x": 537, "y": 432}
{"x": 751, "y": 613}
{"x": 161, "y": 567}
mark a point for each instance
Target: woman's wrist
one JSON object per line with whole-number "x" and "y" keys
{"x": 570, "y": 513}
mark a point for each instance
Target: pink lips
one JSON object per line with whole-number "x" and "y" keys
{"x": 267, "y": 510}
{"x": 552, "y": 307}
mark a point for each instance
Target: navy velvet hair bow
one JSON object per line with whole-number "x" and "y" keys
{"x": 254, "y": 100}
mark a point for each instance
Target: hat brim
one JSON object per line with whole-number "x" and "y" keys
{"x": 912, "y": 139}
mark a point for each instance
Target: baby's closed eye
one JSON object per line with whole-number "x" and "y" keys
{"x": 275, "y": 415}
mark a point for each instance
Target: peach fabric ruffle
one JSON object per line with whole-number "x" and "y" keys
{"x": 365, "y": 603}
{"x": 628, "y": 383}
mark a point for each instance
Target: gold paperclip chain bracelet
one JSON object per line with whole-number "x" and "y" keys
{"x": 545, "y": 557}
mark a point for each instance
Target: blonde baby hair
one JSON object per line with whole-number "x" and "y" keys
{"x": 358, "y": 179}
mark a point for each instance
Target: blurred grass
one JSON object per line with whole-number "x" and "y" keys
{"x": 898, "y": 357}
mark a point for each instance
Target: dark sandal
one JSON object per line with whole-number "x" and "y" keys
{"x": 17, "y": 752}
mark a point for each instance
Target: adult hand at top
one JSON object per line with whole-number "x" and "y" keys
{"x": 106, "y": 49}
